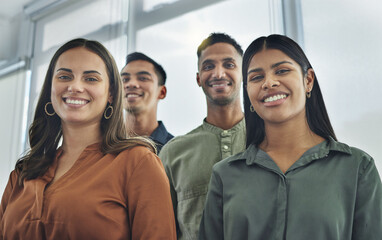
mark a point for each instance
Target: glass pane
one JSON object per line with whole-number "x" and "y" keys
{"x": 81, "y": 21}
{"x": 173, "y": 44}
{"x": 149, "y": 5}
{"x": 100, "y": 20}
{"x": 342, "y": 41}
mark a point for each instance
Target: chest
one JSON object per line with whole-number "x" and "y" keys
{"x": 86, "y": 200}
{"x": 320, "y": 197}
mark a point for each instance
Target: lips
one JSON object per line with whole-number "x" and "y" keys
{"x": 75, "y": 101}
{"x": 133, "y": 95}
{"x": 274, "y": 98}
{"x": 219, "y": 83}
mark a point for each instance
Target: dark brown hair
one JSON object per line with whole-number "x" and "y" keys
{"x": 159, "y": 71}
{"x": 45, "y": 131}
{"x": 315, "y": 110}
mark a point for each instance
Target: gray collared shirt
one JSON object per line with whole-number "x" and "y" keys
{"x": 188, "y": 162}
{"x": 332, "y": 192}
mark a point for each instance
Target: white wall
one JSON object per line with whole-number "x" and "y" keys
{"x": 343, "y": 43}
{"x": 11, "y": 109}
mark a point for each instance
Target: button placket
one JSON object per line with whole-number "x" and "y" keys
{"x": 225, "y": 143}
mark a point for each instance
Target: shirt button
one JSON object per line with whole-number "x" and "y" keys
{"x": 225, "y": 147}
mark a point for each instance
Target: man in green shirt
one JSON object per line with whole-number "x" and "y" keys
{"x": 188, "y": 159}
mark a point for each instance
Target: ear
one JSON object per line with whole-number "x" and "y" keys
{"x": 309, "y": 80}
{"x": 198, "y": 79}
{"x": 162, "y": 92}
{"x": 110, "y": 98}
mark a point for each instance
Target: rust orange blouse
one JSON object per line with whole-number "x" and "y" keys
{"x": 101, "y": 197}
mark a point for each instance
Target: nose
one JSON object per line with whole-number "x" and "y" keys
{"x": 132, "y": 83}
{"x": 75, "y": 86}
{"x": 219, "y": 72}
{"x": 270, "y": 82}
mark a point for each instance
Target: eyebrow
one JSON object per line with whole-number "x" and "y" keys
{"x": 138, "y": 73}
{"x": 85, "y": 72}
{"x": 64, "y": 69}
{"x": 224, "y": 60}
{"x": 143, "y": 73}
{"x": 207, "y": 61}
{"x": 272, "y": 66}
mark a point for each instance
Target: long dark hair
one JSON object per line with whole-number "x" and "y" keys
{"x": 45, "y": 131}
{"x": 316, "y": 114}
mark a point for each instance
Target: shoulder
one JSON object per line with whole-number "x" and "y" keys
{"x": 344, "y": 150}
{"x": 354, "y": 156}
{"x": 136, "y": 152}
{"x": 13, "y": 178}
{"x": 229, "y": 162}
{"x": 184, "y": 140}
{"x": 135, "y": 156}
{"x": 364, "y": 160}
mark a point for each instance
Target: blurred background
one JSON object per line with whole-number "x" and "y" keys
{"x": 342, "y": 39}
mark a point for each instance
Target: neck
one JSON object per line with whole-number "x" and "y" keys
{"x": 224, "y": 117}
{"x": 77, "y": 137}
{"x": 289, "y": 136}
{"x": 141, "y": 124}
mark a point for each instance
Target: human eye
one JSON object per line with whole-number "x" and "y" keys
{"x": 282, "y": 71}
{"x": 255, "y": 78}
{"x": 143, "y": 78}
{"x": 208, "y": 67}
{"x": 63, "y": 77}
{"x": 229, "y": 65}
{"x": 91, "y": 79}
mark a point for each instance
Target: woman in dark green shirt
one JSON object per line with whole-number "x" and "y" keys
{"x": 295, "y": 180}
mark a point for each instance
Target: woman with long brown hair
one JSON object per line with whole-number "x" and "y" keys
{"x": 98, "y": 184}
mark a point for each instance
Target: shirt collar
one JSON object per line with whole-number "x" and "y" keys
{"x": 255, "y": 155}
{"x": 211, "y": 128}
{"x": 50, "y": 173}
{"x": 160, "y": 134}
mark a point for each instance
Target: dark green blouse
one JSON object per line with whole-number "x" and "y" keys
{"x": 332, "y": 192}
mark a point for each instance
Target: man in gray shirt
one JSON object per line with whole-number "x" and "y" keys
{"x": 188, "y": 159}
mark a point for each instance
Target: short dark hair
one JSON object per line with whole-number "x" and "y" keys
{"x": 135, "y": 56}
{"x": 315, "y": 110}
{"x": 218, "y": 38}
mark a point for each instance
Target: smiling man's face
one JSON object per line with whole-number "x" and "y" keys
{"x": 220, "y": 73}
{"x": 141, "y": 87}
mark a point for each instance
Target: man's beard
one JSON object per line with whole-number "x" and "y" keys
{"x": 221, "y": 101}
{"x": 133, "y": 110}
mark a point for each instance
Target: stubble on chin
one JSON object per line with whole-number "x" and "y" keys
{"x": 132, "y": 110}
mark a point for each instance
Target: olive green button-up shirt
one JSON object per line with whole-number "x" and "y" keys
{"x": 333, "y": 192}
{"x": 188, "y": 162}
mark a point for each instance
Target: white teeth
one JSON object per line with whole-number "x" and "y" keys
{"x": 275, "y": 97}
{"x": 219, "y": 85}
{"x": 77, "y": 102}
{"x": 132, "y": 95}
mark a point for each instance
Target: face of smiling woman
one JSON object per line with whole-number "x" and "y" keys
{"x": 276, "y": 86}
{"x": 80, "y": 87}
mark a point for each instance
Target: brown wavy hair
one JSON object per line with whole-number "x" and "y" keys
{"x": 45, "y": 131}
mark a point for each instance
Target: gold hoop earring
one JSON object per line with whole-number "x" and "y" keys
{"x": 46, "y": 109}
{"x": 111, "y": 112}
{"x": 308, "y": 94}
{"x": 251, "y": 108}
